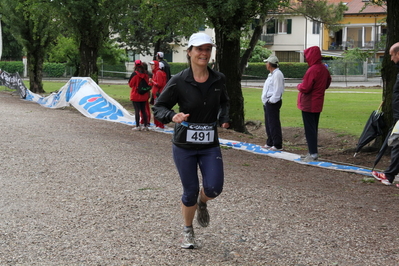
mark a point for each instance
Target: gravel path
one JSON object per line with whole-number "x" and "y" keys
{"x": 79, "y": 191}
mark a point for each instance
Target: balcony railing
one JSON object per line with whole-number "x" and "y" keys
{"x": 353, "y": 44}
{"x": 268, "y": 39}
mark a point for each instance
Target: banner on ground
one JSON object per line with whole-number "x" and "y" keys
{"x": 84, "y": 95}
{"x": 14, "y": 82}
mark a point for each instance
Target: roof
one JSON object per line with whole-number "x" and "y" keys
{"x": 354, "y": 6}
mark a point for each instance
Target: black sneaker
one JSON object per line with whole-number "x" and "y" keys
{"x": 202, "y": 213}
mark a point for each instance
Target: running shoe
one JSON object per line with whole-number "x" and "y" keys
{"x": 273, "y": 148}
{"x": 188, "y": 238}
{"x": 137, "y": 128}
{"x": 381, "y": 177}
{"x": 266, "y": 147}
{"x": 309, "y": 157}
{"x": 202, "y": 213}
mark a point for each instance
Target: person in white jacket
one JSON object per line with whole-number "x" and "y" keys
{"x": 272, "y": 101}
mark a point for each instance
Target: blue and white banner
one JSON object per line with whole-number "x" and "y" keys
{"x": 88, "y": 98}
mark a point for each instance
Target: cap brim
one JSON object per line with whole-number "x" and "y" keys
{"x": 199, "y": 44}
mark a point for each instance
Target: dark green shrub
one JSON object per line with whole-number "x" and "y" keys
{"x": 177, "y": 67}
{"x": 112, "y": 71}
{"x": 289, "y": 69}
{"x": 12, "y": 66}
{"x": 54, "y": 70}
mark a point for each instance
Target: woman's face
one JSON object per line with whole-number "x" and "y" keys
{"x": 200, "y": 55}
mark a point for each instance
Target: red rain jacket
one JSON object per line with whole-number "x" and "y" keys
{"x": 135, "y": 96}
{"x": 316, "y": 80}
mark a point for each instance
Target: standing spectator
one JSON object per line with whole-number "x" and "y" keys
{"x": 272, "y": 100}
{"x": 311, "y": 99}
{"x": 202, "y": 98}
{"x": 158, "y": 82}
{"x": 159, "y": 57}
{"x": 147, "y": 104}
{"x": 139, "y": 100}
{"x": 388, "y": 176}
{"x": 213, "y": 63}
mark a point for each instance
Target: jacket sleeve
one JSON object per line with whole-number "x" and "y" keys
{"x": 278, "y": 84}
{"x": 307, "y": 83}
{"x": 166, "y": 101}
{"x": 224, "y": 105}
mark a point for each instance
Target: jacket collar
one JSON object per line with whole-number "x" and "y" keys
{"x": 190, "y": 76}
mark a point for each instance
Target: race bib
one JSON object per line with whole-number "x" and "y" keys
{"x": 200, "y": 133}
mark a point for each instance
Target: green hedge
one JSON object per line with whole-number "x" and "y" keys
{"x": 253, "y": 71}
{"x": 177, "y": 67}
{"x": 12, "y": 66}
{"x": 289, "y": 69}
{"x": 257, "y": 70}
{"x": 111, "y": 71}
{"x": 54, "y": 70}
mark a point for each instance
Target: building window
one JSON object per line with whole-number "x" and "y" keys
{"x": 316, "y": 27}
{"x": 279, "y": 26}
{"x": 282, "y": 26}
{"x": 287, "y": 56}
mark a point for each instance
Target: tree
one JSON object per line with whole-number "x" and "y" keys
{"x": 228, "y": 18}
{"x": 90, "y": 22}
{"x": 154, "y": 24}
{"x": 33, "y": 24}
{"x": 330, "y": 14}
{"x": 259, "y": 53}
{"x": 65, "y": 50}
{"x": 12, "y": 49}
{"x": 388, "y": 71}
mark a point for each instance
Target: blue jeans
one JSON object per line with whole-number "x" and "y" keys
{"x": 211, "y": 165}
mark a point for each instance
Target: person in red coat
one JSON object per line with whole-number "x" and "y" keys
{"x": 158, "y": 82}
{"x": 311, "y": 98}
{"x": 139, "y": 100}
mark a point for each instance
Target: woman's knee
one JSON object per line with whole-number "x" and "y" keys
{"x": 213, "y": 191}
{"x": 189, "y": 199}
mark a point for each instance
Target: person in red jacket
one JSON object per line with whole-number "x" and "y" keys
{"x": 139, "y": 100}
{"x": 311, "y": 98}
{"x": 158, "y": 82}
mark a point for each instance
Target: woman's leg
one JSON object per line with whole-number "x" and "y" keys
{"x": 143, "y": 112}
{"x": 311, "y": 124}
{"x": 211, "y": 166}
{"x": 136, "y": 107}
{"x": 186, "y": 164}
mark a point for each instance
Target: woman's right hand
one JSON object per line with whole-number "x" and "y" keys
{"x": 180, "y": 117}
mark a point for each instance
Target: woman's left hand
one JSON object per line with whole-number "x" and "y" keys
{"x": 225, "y": 125}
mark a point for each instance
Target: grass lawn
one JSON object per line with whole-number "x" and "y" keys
{"x": 345, "y": 111}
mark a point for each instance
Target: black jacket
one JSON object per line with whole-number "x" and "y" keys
{"x": 395, "y": 98}
{"x": 182, "y": 90}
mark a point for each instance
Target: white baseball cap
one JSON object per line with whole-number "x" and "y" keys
{"x": 198, "y": 39}
{"x": 272, "y": 59}
{"x": 160, "y": 54}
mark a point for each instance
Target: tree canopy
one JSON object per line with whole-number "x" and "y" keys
{"x": 34, "y": 26}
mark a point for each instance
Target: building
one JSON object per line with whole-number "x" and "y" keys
{"x": 288, "y": 34}
{"x": 363, "y": 27}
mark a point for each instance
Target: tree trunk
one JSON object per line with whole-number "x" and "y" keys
{"x": 157, "y": 47}
{"x": 254, "y": 40}
{"x": 35, "y": 72}
{"x": 228, "y": 59}
{"x": 389, "y": 71}
{"x": 88, "y": 61}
